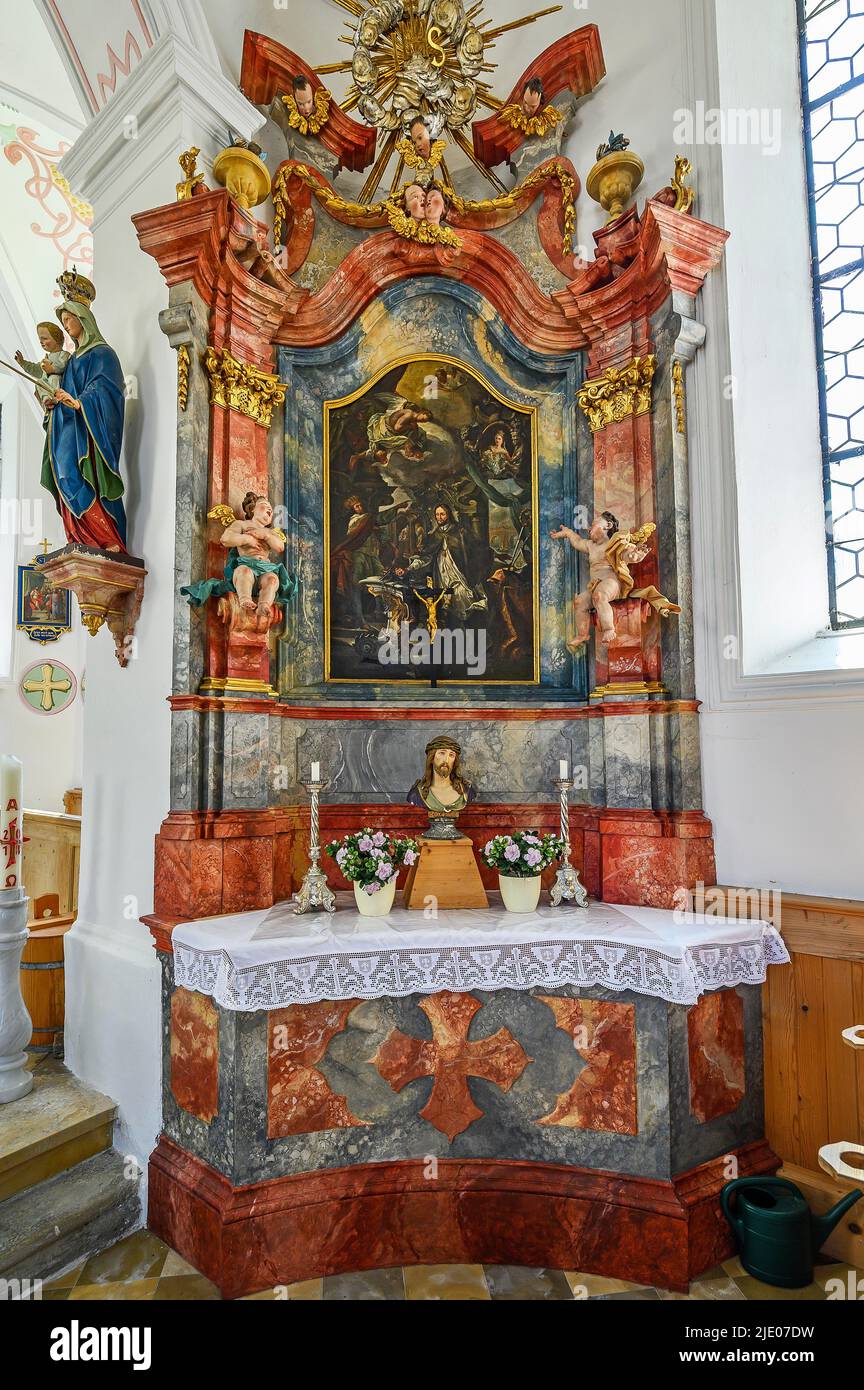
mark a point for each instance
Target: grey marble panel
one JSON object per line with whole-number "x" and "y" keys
{"x": 669, "y": 1140}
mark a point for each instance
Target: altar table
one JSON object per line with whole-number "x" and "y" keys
{"x": 568, "y": 1089}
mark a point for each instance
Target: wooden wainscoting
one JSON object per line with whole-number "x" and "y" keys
{"x": 814, "y": 1082}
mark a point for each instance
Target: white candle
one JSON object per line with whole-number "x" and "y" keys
{"x": 11, "y": 821}
{"x": 563, "y": 769}
{"x": 316, "y": 772}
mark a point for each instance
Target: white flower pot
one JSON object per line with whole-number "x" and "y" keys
{"x": 375, "y": 904}
{"x": 520, "y": 894}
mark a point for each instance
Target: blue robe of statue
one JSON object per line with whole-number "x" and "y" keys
{"x": 81, "y": 464}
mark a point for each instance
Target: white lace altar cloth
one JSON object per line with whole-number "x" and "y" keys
{"x": 271, "y": 958}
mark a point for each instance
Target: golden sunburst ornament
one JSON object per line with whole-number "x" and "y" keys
{"x": 420, "y": 60}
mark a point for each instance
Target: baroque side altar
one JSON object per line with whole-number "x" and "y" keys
{"x": 433, "y": 486}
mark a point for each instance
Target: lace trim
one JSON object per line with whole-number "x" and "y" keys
{"x": 377, "y": 974}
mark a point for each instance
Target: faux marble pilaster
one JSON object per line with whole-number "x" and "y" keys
{"x": 184, "y": 323}
{"x": 678, "y": 336}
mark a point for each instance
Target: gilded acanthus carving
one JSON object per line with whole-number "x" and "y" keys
{"x": 618, "y": 393}
{"x": 237, "y": 385}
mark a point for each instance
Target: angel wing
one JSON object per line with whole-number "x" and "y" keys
{"x": 223, "y": 514}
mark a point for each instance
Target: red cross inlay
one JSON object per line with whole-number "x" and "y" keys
{"x": 450, "y": 1058}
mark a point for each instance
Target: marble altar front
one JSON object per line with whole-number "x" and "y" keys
{"x": 512, "y": 1118}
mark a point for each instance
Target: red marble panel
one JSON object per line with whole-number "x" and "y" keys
{"x": 188, "y": 878}
{"x": 195, "y": 1054}
{"x": 715, "y": 1040}
{"x": 299, "y": 1097}
{"x": 650, "y": 871}
{"x": 603, "y": 1096}
{"x": 450, "y": 1058}
{"x": 475, "y": 1211}
{"x": 247, "y": 874}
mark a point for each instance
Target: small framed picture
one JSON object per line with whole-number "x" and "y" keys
{"x": 43, "y": 613}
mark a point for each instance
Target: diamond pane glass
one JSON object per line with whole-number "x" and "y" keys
{"x": 832, "y": 56}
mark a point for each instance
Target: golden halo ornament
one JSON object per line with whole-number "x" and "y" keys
{"x": 417, "y": 56}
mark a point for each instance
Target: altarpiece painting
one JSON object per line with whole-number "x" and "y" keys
{"x": 430, "y": 527}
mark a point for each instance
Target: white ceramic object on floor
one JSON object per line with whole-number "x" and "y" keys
{"x": 375, "y": 904}
{"x": 520, "y": 894}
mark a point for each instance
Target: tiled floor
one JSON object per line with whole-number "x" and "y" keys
{"x": 143, "y": 1268}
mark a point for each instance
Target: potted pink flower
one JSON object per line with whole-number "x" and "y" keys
{"x": 371, "y": 860}
{"x": 520, "y": 860}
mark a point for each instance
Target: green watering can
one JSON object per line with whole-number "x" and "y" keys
{"x": 776, "y": 1232}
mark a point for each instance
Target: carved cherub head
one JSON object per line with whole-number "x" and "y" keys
{"x": 532, "y": 97}
{"x": 257, "y": 508}
{"x": 604, "y": 527}
{"x": 421, "y": 138}
{"x": 436, "y": 207}
{"x": 415, "y": 202}
{"x": 304, "y": 97}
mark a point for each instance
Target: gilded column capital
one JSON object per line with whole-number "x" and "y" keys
{"x": 618, "y": 393}
{"x": 236, "y": 385}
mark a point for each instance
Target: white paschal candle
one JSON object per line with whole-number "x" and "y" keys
{"x": 563, "y": 769}
{"x": 11, "y": 821}
{"x": 316, "y": 772}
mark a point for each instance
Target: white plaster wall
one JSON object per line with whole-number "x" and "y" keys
{"x": 782, "y": 759}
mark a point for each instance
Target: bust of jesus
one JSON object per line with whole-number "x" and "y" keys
{"x": 442, "y": 789}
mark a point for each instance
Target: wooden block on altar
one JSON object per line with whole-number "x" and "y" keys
{"x": 446, "y": 870}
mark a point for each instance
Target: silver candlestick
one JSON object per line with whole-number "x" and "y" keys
{"x": 567, "y": 887}
{"x": 314, "y": 895}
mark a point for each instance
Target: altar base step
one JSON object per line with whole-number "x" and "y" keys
{"x": 64, "y": 1193}
{"x": 342, "y": 1220}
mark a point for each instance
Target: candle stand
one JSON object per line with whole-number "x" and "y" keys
{"x": 567, "y": 887}
{"x": 314, "y": 895}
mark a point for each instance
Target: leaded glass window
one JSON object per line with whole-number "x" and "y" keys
{"x": 832, "y": 58}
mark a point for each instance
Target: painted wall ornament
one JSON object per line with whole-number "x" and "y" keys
{"x": 610, "y": 552}
{"x": 84, "y": 438}
{"x": 48, "y": 688}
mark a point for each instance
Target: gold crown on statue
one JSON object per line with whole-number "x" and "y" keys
{"x": 76, "y": 288}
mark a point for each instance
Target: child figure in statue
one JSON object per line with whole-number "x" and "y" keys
{"x": 610, "y": 552}
{"x": 47, "y": 374}
{"x": 249, "y": 541}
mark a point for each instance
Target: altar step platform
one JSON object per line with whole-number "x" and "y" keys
{"x": 64, "y": 1193}
{"x": 565, "y": 1089}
